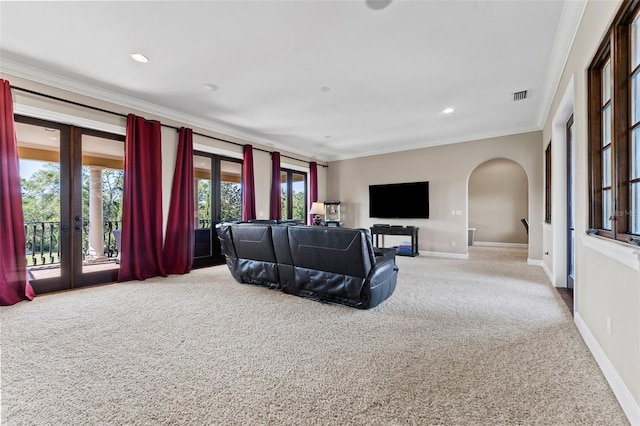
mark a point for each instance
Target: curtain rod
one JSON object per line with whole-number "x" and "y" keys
{"x": 55, "y": 98}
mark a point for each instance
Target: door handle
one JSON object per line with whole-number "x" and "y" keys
{"x": 78, "y": 228}
{"x": 65, "y": 228}
{"x": 77, "y": 218}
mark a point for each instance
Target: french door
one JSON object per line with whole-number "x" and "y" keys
{"x": 72, "y": 180}
{"x": 218, "y": 198}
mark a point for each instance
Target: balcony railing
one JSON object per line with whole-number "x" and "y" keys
{"x": 43, "y": 241}
{"x": 204, "y": 223}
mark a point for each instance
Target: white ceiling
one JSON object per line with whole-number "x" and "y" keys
{"x": 390, "y": 72}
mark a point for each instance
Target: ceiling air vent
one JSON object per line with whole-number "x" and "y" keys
{"x": 518, "y": 96}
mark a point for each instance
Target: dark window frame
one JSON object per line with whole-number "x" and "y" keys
{"x": 289, "y": 206}
{"x": 547, "y": 184}
{"x": 615, "y": 48}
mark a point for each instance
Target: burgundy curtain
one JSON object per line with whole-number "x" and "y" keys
{"x": 141, "y": 238}
{"x": 248, "y": 188}
{"x": 14, "y": 286}
{"x": 179, "y": 238}
{"x": 275, "y": 211}
{"x": 313, "y": 186}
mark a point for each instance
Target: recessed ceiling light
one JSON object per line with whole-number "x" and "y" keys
{"x": 447, "y": 110}
{"x": 325, "y": 89}
{"x": 377, "y": 4}
{"x": 139, "y": 57}
{"x": 46, "y": 129}
{"x": 210, "y": 87}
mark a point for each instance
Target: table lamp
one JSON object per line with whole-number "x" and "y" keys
{"x": 317, "y": 210}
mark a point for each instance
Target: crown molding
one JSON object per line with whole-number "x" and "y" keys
{"x": 572, "y": 12}
{"x": 441, "y": 142}
{"x": 39, "y": 75}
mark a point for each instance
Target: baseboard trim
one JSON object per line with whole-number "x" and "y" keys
{"x": 620, "y": 390}
{"x": 548, "y": 272}
{"x": 492, "y": 244}
{"x": 540, "y": 263}
{"x": 444, "y": 254}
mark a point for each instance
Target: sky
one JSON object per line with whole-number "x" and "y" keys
{"x": 29, "y": 167}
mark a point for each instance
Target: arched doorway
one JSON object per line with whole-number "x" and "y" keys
{"x": 498, "y": 206}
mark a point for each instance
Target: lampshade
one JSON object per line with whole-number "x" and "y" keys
{"x": 317, "y": 208}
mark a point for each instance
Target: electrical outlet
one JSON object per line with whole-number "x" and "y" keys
{"x": 453, "y": 243}
{"x": 453, "y": 212}
{"x": 609, "y": 326}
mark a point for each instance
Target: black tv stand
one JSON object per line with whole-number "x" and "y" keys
{"x": 412, "y": 231}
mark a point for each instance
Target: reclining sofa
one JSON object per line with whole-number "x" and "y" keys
{"x": 337, "y": 265}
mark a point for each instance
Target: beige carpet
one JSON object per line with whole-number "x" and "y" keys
{"x": 462, "y": 342}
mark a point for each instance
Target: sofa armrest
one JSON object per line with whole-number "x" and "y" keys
{"x": 384, "y": 254}
{"x": 381, "y": 282}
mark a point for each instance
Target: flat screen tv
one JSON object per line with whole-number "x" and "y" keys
{"x": 399, "y": 200}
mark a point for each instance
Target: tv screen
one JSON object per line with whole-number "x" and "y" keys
{"x": 399, "y": 201}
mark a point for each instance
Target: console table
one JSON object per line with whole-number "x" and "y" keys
{"x": 397, "y": 230}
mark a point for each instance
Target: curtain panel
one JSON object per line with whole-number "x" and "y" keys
{"x": 248, "y": 188}
{"x": 14, "y": 285}
{"x": 275, "y": 207}
{"x": 180, "y": 238}
{"x": 313, "y": 187}
{"x": 141, "y": 238}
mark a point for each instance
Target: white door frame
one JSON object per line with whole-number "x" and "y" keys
{"x": 559, "y": 184}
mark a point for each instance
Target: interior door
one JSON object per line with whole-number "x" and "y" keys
{"x": 570, "y": 208}
{"x": 57, "y": 191}
{"x": 218, "y": 198}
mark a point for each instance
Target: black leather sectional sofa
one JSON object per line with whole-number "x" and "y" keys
{"x": 332, "y": 264}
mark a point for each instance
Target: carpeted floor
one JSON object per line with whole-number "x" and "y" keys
{"x": 482, "y": 341}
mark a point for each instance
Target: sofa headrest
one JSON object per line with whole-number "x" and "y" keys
{"x": 253, "y": 241}
{"x": 338, "y": 250}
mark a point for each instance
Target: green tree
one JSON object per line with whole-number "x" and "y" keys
{"x": 230, "y": 201}
{"x": 203, "y": 200}
{"x": 112, "y": 194}
{"x": 298, "y": 205}
{"x": 41, "y": 195}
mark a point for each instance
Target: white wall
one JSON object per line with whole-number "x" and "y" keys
{"x": 607, "y": 275}
{"x": 447, "y": 168}
{"x": 498, "y": 201}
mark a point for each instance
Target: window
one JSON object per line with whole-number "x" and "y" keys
{"x": 547, "y": 184}
{"x": 614, "y": 130}
{"x": 634, "y": 158}
{"x": 294, "y": 194}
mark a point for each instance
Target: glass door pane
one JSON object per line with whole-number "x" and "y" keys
{"x": 230, "y": 191}
{"x": 298, "y": 199}
{"x": 284, "y": 194}
{"x": 202, "y": 191}
{"x": 39, "y": 152}
{"x": 102, "y": 196}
